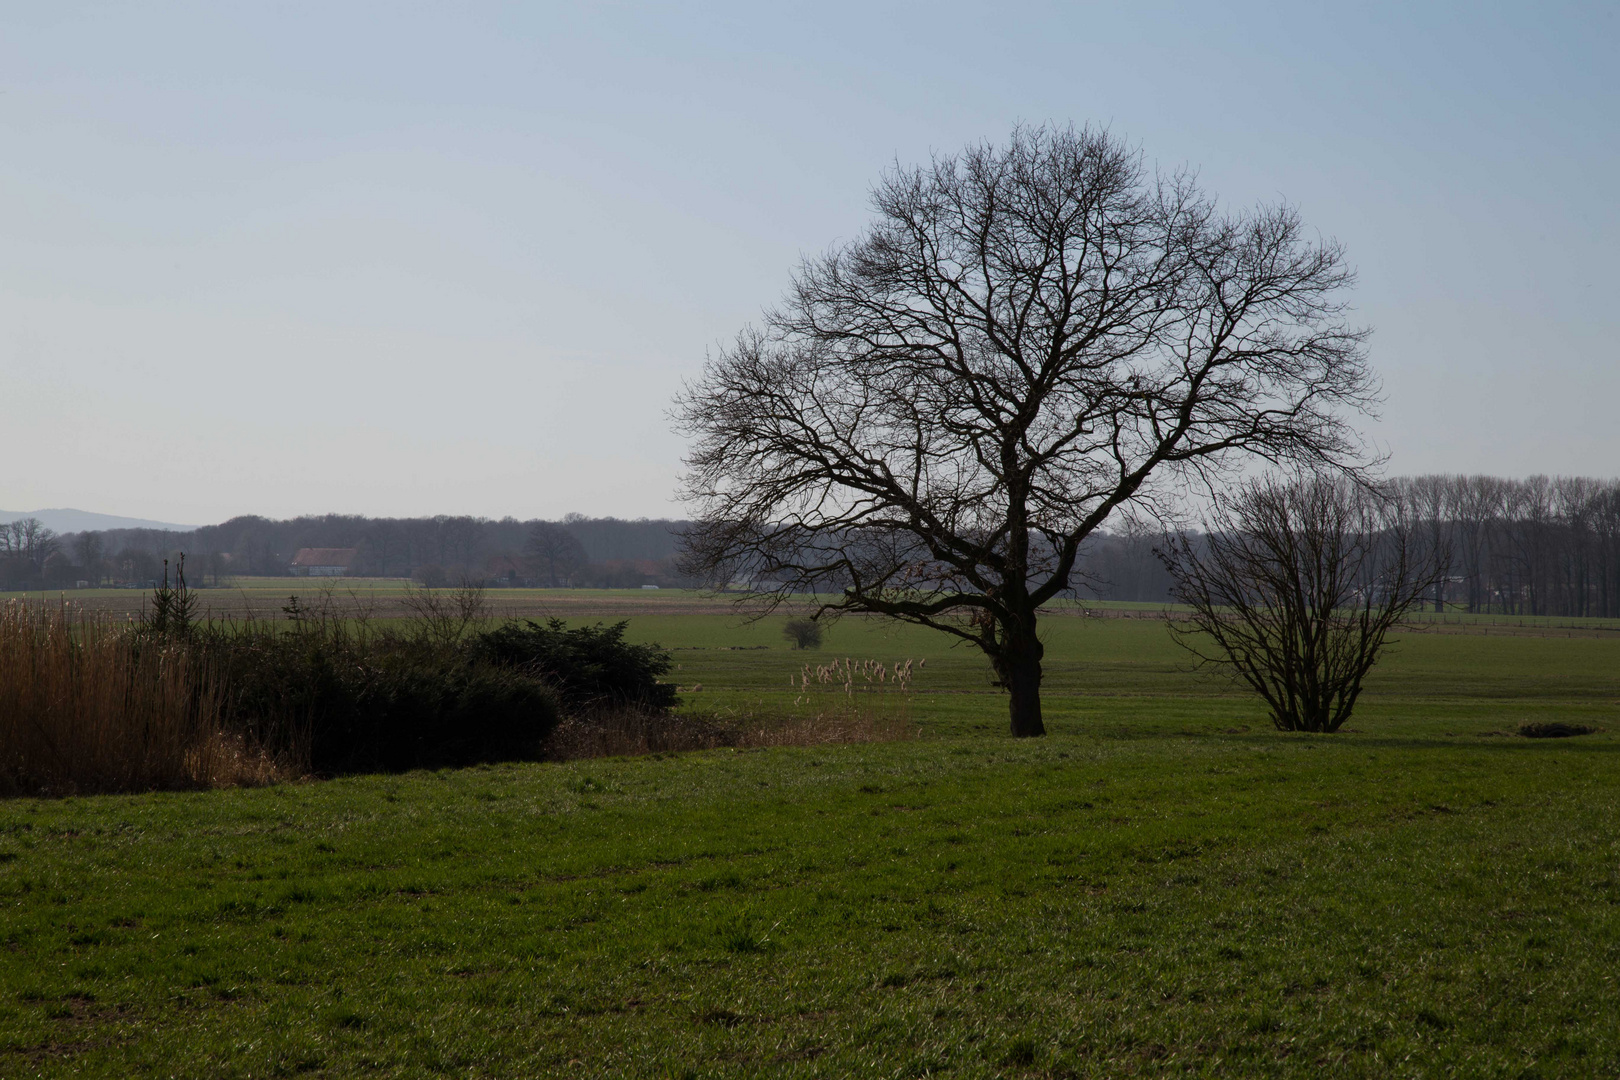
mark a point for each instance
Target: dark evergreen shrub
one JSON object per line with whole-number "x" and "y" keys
{"x": 589, "y": 666}
{"x": 381, "y": 702}
{"x": 407, "y": 711}
{"x": 348, "y": 699}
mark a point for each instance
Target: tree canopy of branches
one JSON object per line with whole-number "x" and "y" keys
{"x": 554, "y": 552}
{"x": 1028, "y": 338}
{"x": 1293, "y": 588}
{"x": 27, "y": 538}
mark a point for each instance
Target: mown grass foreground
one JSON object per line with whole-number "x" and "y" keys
{"x": 1151, "y": 890}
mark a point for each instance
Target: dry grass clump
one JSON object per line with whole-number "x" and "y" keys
{"x": 624, "y": 732}
{"x": 629, "y": 732}
{"x": 853, "y": 726}
{"x": 87, "y": 703}
{"x": 845, "y": 701}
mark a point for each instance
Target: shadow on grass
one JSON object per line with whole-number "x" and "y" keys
{"x": 1259, "y": 733}
{"x": 1495, "y": 741}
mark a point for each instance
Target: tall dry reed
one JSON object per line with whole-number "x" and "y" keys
{"x": 89, "y": 703}
{"x": 862, "y": 695}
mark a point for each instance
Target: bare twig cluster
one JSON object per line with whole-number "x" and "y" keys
{"x": 448, "y": 615}
{"x": 1294, "y": 586}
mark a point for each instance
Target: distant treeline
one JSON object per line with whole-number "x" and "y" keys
{"x": 1542, "y": 546}
{"x": 579, "y": 551}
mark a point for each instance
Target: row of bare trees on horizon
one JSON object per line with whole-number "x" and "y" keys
{"x": 1546, "y": 545}
{"x": 579, "y": 551}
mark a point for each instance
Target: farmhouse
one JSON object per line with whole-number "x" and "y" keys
{"x": 322, "y": 562}
{"x": 505, "y": 570}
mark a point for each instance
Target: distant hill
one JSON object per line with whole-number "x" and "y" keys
{"x": 66, "y": 521}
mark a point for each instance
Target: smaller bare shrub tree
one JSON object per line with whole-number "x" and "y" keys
{"x": 1294, "y": 587}
{"x": 804, "y": 633}
{"x": 446, "y": 617}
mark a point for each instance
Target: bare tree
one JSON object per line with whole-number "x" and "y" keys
{"x": 29, "y": 539}
{"x": 1475, "y": 503}
{"x": 381, "y": 542}
{"x": 1028, "y": 337}
{"x": 1606, "y": 515}
{"x": 445, "y": 617}
{"x": 554, "y": 552}
{"x": 89, "y": 549}
{"x": 1426, "y": 503}
{"x": 803, "y": 633}
{"x": 1294, "y": 586}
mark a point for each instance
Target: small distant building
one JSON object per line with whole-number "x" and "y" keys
{"x": 322, "y": 562}
{"x": 505, "y": 570}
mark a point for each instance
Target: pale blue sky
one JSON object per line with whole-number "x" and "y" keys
{"x": 434, "y": 258}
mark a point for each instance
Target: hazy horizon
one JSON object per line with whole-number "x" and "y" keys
{"x": 363, "y": 260}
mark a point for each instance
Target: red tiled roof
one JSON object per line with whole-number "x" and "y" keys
{"x": 323, "y": 557}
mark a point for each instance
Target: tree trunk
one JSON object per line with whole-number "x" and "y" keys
{"x": 1019, "y": 668}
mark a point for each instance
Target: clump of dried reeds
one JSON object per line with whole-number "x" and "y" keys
{"x": 853, "y": 676}
{"x": 861, "y": 694}
{"x": 90, "y": 703}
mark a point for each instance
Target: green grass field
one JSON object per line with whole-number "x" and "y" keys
{"x": 1163, "y": 886}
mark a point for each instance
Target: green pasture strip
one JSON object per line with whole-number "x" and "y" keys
{"x": 1092, "y": 665}
{"x": 1485, "y": 621}
{"x": 1164, "y": 885}
{"x": 1101, "y": 670}
{"x": 1147, "y": 901}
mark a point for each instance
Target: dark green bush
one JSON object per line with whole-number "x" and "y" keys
{"x": 364, "y": 703}
{"x": 344, "y": 698}
{"x": 804, "y": 633}
{"x": 589, "y": 666}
